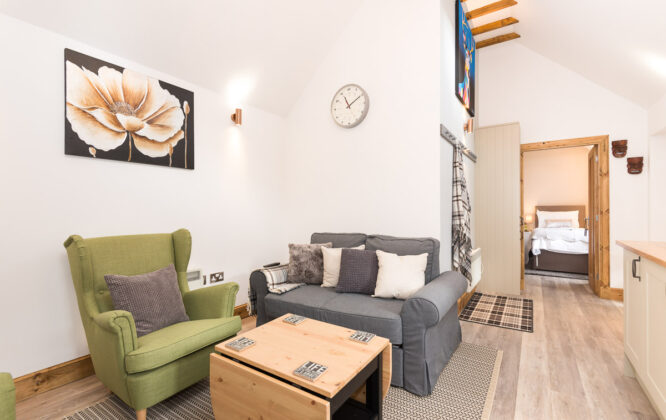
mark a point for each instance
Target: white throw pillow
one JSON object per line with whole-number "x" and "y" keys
{"x": 332, "y": 257}
{"x": 400, "y": 276}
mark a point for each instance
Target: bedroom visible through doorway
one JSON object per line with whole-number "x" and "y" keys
{"x": 564, "y": 210}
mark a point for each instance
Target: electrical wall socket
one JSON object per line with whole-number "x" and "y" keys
{"x": 216, "y": 277}
{"x": 193, "y": 275}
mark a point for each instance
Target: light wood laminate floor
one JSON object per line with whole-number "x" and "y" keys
{"x": 569, "y": 368}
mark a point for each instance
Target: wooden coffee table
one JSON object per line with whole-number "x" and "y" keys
{"x": 258, "y": 382}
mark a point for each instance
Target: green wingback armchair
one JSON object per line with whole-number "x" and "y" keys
{"x": 7, "y": 397}
{"x": 146, "y": 370}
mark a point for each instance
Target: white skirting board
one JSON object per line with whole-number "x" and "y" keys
{"x": 477, "y": 268}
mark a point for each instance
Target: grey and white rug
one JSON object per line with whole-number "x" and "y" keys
{"x": 465, "y": 391}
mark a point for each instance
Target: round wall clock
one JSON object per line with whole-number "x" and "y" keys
{"x": 350, "y": 106}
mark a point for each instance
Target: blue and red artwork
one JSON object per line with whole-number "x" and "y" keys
{"x": 465, "y": 60}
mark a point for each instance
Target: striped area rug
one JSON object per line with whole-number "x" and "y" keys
{"x": 465, "y": 391}
{"x": 500, "y": 311}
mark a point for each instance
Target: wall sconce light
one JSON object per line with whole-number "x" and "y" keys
{"x": 237, "y": 116}
{"x": 635, "y": 165}
{"x": 468, "y": 127}
{"x": 619, "y": 148}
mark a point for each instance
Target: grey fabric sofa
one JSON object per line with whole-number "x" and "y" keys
{"x": 424, "y": 330}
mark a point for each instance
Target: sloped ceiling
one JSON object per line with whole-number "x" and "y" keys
{"x": 265, "y": 48}
{"x": 620, "y": 45}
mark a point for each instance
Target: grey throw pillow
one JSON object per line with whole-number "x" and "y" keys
{"x": 306, "y": 263}
{"x": 153, "y": 299}
{"x": 358, "y": 272}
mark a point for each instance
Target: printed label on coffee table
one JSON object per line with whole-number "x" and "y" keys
{"x": 362, "y": 337}
{"x": 310, "y": 371}
{"x": 240, "y": 344}
{"x": 294, "y": 319}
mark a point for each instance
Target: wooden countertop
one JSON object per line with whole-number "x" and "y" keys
{"x": 651, "y": 250}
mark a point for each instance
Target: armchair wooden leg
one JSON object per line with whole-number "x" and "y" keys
{"x": 141, "y": 414}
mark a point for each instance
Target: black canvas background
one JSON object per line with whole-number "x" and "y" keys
{"x": 77, "y": 147}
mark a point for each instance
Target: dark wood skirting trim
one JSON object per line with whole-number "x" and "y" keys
{"x": 241, "y": 310}
{"x": 73, "y": 370}
{"x": 53, "y": 377}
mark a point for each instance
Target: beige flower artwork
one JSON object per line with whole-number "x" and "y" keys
{"x": 114, "y": 113}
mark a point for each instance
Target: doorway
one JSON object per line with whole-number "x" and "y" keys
{"x": 595, "y": 222}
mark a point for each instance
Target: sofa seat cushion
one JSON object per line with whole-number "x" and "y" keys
{"x": 366, "y": 313}
{"x": 351, "y": 310}
{"x": 306, "y": 301}
{"x": 163, "y": 346}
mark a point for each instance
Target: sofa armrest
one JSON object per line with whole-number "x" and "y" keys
{"x": 430, "y": 331}
{"x": 211, "y": 302}
{"x": 429, "y": 305}
{"x": 260, "y": 288}
{"x": 120, "y": 325}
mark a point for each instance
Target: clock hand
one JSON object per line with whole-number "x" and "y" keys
{"x": 347, "y": 102}
{"x": 352, "y": 102}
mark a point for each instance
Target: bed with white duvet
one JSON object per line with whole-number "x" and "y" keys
{"x": 560, "y": 241}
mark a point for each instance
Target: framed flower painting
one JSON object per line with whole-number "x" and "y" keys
{"x": 120, "y": 114}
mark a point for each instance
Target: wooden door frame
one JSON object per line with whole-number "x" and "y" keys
{"x": 605, "y": 291}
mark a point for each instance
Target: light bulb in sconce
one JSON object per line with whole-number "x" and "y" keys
{"x": 528, "y": 218}
{"x": 468, "y": 127}
{"x": 237, "y": 116}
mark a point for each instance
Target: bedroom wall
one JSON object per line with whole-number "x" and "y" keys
{"x": 382, "y": 176}
{"x": 552, "y": 102}
{"x": 555, "y": 177}
{"x": 47, "y": 196}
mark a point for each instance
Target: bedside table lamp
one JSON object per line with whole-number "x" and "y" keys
{"x": 528, "y": 221}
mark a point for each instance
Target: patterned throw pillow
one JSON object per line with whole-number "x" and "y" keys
{"x": 306, "y": 263}
{"x": 358, "y": 272}
{"x": 332, "y": 258}
{"x": 153, "y": 299}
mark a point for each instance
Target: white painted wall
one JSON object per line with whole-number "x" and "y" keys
{"x": 552, "y": 103}
{"x": 657, "y": 117}
{"x": 231, "y": 203}
{"x": 453, "y": 115}
{"x": 657, "y": 177}
{"x": 382, "y": 176}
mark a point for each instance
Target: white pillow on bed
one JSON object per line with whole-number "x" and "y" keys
{"x": 554, "y": 223}
{"x": 545, "y": 216}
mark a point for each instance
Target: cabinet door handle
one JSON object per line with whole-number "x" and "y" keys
{"x": 633, "y": 268}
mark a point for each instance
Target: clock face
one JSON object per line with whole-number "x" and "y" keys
{"x": 350, "y": 106}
